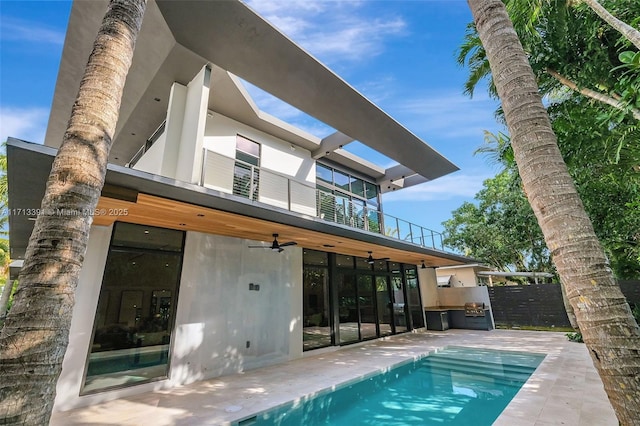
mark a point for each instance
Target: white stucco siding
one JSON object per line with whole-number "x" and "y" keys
{"x": 428, "y": 286}
{"x": 218, "y": 314}
{"x": 458, "y": 296}
{"x": 275, "y": 155}
{"x": 151, "y": 161}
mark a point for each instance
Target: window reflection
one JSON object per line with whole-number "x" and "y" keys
{"x": 136, "y": 307}
{"x": 413, "y": 294}
{"x": 316, "y": 332}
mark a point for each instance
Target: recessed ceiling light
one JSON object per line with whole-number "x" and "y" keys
{"x": 182, "y": 224}
{"x": 200, "y": 215}
{"x": 328, "y": 245}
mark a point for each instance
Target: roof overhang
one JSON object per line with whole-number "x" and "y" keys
{"x": 158, "y": 201}
{"x": 178, "y": 38}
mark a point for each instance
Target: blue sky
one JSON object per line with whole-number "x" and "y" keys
{"x": 400, "y": 54}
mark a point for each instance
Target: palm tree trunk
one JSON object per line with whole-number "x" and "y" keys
{"x": 34, "y": 338}
{"x": 632, "y": 34}
{"x": 608, "y": 328}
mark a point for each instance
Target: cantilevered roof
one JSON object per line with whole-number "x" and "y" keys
{"x": 164, "y": 202}
{"x": 179, "y": 37}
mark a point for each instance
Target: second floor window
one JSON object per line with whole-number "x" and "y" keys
{"x": 347, "y": 199}
{"x": 246, "y": 173}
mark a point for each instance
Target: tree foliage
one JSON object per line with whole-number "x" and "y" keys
{"x": 609, "y": 184}
{"x": 501, "y": 228}
{"x": 589, "y": 74}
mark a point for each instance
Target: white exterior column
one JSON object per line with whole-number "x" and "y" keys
{"x": 184, "y": 130}
{"x": 173, "y": 129}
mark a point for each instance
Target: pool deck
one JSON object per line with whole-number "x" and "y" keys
{"x": 564, "y": 390}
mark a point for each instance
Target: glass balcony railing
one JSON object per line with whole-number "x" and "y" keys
{"x": 271, "y": 188}
{"x": 356, "y": 214}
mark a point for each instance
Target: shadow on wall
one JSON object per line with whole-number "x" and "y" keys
{"x": 234, "y": 309}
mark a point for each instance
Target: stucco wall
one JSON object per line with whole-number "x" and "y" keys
{"x": 460, "y": 277}
{"x": 151, "y": 161}
{"x": 459, "y": 296}
{"x": 428, "y": 286}
{"x": 276, "y": 154}
{"x": 216, "y": 314}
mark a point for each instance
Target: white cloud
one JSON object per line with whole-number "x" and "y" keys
{"x": 19, "y": 29}
{"x": 29, "y": 124}
{"x": 448, "y": 187}
{"x": 448, "y": 115}
{"x": 330, "y": 30}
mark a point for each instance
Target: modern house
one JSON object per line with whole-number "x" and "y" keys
{"x": 226, "y": 239}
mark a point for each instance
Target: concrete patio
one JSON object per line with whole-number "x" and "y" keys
{"x": 564, "y": 390}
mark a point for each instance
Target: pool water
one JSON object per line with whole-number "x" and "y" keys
{"x": 455, "y": 385}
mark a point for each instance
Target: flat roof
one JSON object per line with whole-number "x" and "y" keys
{"x": 178, "y": 38}
{"x": 26, "y": 191}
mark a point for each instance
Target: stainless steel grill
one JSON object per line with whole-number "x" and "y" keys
{"x": 474, "y": 309}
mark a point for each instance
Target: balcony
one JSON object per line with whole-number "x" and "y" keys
{"x": 265, "y": 186}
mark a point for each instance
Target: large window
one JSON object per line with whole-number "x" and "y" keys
{"x": 136, "y": 308}
{"x": 347, "y": 199}
{"x": 246, "y": 172}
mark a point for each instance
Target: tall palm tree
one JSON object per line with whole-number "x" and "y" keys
{"x": 560, "y": 39}
{"x": 608, "y": 327}
{"x": 34, "y": 338}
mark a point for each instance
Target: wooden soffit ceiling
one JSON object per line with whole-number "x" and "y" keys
{"x": 161, "y": 212}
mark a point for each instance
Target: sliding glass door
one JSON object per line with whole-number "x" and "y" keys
{"x": 347, "y": 308}
{"x": 367, "y": 308}
{"x": 383, "y": 302}
{"x": 348, "y": 299}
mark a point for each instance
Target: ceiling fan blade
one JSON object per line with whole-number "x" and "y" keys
{"x": 289, "y": 243}
{"x": 264, "y": 247}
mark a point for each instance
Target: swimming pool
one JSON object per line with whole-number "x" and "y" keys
{"x": 454, "y": 385}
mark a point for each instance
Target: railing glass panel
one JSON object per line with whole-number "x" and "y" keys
{"x": 333, "y": 207}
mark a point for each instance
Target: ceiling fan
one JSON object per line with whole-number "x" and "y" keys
{"x": 371, "y": 260}
{"x": 275, "y": 245}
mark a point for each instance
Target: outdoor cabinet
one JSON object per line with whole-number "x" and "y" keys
{"x": 438, "y": 320}
{"x": 458, "y": 319}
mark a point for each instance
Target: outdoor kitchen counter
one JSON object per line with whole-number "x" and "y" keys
{"x": 443, "y": 308}
{"x": 457, "y": 318}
